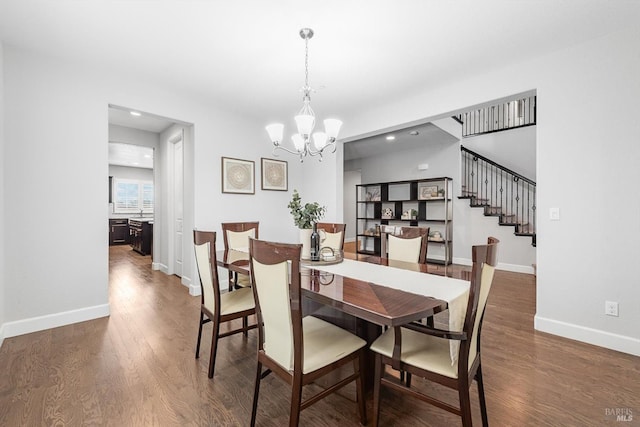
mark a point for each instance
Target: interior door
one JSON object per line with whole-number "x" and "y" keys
{"x": 178, "y": 204}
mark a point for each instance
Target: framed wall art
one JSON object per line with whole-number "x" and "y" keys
{"x": 238, "y": 176}
{"x": 274, "y": 175}
{"x": 427, "y": 192}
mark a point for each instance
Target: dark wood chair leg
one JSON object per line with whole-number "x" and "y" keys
{"x": 232, "y": 276}
{"x": 408, "y": 380}
{"x": 245, "y": 326}
{"x": 465, "y": 405}
{"x": 256, "y": 392}
{"x": 376, "y": 389}
{"x": 296, "y": 400}
{"x": 199, "y": 334}
{"x": 214, "y": 348}
{"x": 483, "y": 403}
{"x": 359, "y": 367}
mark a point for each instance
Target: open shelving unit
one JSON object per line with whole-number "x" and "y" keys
{"x": 415, "y": 203}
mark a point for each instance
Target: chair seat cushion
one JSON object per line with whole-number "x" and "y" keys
{"x": 237, "y": 301}
{"x": 325, "y": 343}
{"x": 420, "y": 350}
{"x": 244, "y": 280}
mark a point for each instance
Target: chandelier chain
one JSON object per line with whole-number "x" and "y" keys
{"x": 306, "y": 64}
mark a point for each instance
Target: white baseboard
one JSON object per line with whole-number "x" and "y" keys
{"x": 349, "y": 239}
{"x": 159, "y": 266}
{"x": 501, "y": 266}
{"x": 1, "y": 334}
{"x": 40, "y": 323}
{"x": 597, "y": 337}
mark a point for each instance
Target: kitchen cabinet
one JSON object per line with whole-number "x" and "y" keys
{"x": 118, "y": 231}
{"x": 141, "y": 235}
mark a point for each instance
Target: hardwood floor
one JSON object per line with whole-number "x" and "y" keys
{"x": 137, "y": 367}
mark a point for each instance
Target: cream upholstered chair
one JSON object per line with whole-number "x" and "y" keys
{"x": 297, "y": 349}
{"x": 333, "y": 235}
{"x": 408, "y": 244}
{"x": 426, "y": 351}
{"x": 236, "y": 237}
{"x": 218, "y": 308}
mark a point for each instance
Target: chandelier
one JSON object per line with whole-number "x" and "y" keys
{"x": 306, "y": 120}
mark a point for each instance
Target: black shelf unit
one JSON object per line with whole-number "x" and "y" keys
{"x": 433, "y": 209}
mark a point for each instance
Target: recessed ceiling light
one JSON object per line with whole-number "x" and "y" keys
{"x": 135, "y": 113}
{"x": 414, "y": 133}
{"x": 390, "y": 137}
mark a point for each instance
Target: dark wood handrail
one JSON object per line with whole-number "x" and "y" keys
{"x": 491, "y": 162}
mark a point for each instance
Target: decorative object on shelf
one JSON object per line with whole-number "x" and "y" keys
{"x": 303, "y": 218}
{"x": 387, "y": 213}
{"x": 409, "y": 214}
{"x": 274, "y": 175}
{"x": 377, "y": 232}
{"x": 306, "y": 120}
{"x": 427, "y": 192}
{"x": 375, "y": 196}
{"x": 441, "y": 193}
{"x": 435, "y": 236}
{"x": 237, "y": 176}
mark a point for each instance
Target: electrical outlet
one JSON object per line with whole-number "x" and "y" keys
{"x": 611, "y": 308}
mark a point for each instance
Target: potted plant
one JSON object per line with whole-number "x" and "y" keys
{"x": 304, "y": 217}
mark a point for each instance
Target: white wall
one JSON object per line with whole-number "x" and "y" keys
{"x": 586, "y": 146}
{"x": 514, "y": 149}
{"x": 3, "y": 302}
{"x": 43, "y": 96}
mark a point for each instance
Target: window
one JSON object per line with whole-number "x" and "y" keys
{"x": 132, "y": 196}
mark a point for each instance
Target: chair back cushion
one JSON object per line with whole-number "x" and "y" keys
{"x": 240, "y": 239}
{"x": 272, "y": 287}
{"x": 331, "y": 240}
{"x": 207, "y": 280}
{"x": 407, "y": 250}
{"x": 486, "y": 279}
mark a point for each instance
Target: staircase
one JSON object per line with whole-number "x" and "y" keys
{"x": 502, "y": 193}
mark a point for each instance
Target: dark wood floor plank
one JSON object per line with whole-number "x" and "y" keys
{"x": 137, "y": 368}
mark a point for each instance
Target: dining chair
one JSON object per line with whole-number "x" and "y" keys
{"x": 218, "y": 308}
{"x": 236, "y": 236}
{"x": 297, "y": 349}
{"x": 333, "y": 235}
{"x": 427, "y": 352}
{"x": 406, "y": 244}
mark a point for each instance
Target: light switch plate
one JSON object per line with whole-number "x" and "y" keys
{"x": 554, "y": 214}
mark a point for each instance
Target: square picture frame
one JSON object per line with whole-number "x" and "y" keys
{"x": 426, "y": 192}
{"x": 274, "y": 174}
{"x": 238, "y": 176}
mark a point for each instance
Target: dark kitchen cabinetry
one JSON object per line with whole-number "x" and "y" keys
{"x": 141, "y": 235}
{"x": 118, "y": 231}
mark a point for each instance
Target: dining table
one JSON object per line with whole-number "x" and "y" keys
{"x": 367, "y": 293}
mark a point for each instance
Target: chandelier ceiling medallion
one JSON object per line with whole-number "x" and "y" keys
{"x": 306, "y": 120}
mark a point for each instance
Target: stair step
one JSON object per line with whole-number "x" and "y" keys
{"x": 492, "y": 211}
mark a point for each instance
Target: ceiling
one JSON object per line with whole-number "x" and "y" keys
{"x": 143, "y": 121}
{"x": 248, "y": 56}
